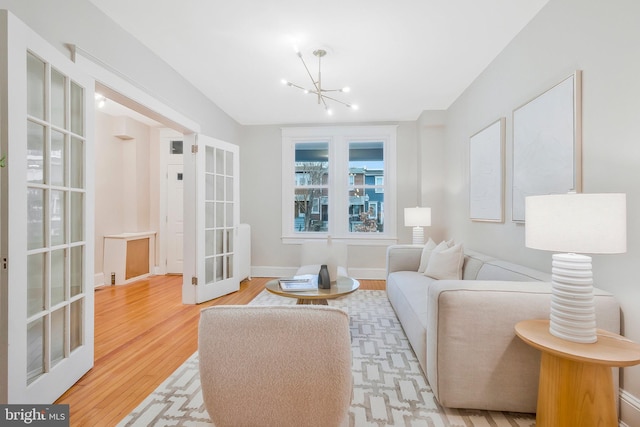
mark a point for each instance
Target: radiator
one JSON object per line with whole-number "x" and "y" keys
{"x": 244, "y": 251}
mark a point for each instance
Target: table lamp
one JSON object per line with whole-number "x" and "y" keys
{"x": 575, "y": 223}
{"x": 417, "y": 218}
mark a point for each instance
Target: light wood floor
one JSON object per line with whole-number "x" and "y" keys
{"x": 143, "y": 333}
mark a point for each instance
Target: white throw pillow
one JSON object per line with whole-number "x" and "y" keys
{"x": 429, "y": 248}
{"x": 426, "y": 253}
{"x": 446, "y": 264}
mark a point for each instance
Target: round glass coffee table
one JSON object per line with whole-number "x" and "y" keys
{"x": 342, "y": 286}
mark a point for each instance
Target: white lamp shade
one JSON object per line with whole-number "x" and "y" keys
{"x": 580, "y": 223}
{"x": 417, "y": 217}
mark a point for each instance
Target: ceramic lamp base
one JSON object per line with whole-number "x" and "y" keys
{"x": 418, "y": 236}
{"x": 573, "y": 315}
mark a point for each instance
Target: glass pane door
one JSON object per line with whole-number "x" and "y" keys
{"x": 215, "y": 216}
{"x": 52, "y": 216}
{"x": 49, "y": 229}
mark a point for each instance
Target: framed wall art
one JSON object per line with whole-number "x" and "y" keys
{"x": 547, "y": 144}
{"x": 486, "y": 173}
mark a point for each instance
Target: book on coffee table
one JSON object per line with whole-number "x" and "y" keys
{"x": 304, "y": 282}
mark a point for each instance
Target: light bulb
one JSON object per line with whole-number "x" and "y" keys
{"x": 283, "y": 81}
{"x": 101, "y": 100}
{"x": 345, "y": 89}
{"x": 355, "y": 107}
{"x": 330, "y": 111}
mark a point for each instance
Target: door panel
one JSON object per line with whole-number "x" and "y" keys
{"x": 211, "y": 219}
{"x": 175, "y": 218}
{"x": 47, "y": 219}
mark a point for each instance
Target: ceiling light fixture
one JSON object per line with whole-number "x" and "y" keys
{"x": 317, "y": 84}
{"x": 100, "y": 100}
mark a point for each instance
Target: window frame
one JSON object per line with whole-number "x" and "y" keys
{"x": 338, "y": 139}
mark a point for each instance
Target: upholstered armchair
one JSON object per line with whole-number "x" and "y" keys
{"x": 275, "y": 365}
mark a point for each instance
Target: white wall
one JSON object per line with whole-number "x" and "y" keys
{"x": 261, "y": 201}
{"x": 123, "y": 181}
{"x": 602, "y": 39}
{"x": 430, "y": 153}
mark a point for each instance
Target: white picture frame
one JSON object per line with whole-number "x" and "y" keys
{"x": 547, "y": 144}
{"x": 486, "y": 173}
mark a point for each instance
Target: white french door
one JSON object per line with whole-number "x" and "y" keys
{"x": 47, "y": 240}
{"x": 211, "y": 194}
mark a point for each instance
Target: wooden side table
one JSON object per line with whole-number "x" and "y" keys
{"x": 576, "y": 383}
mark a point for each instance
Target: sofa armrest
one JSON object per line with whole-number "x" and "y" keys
{"x": 403, "y": 258}
{"x": 474, "y": 359}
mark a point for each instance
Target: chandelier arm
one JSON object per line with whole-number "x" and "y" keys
{"x": 319, "y": 86}
{"x": 299, "y": 87}
{"x": 324, "y": 102}
{"x": 336, "y": 100}
{"x": 308, "y": 72}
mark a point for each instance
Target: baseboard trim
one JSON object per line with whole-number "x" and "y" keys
{"x": 268, "y": 271}
{"x": 98, "y": 279}
{"x": 629, "y": 409}
{"x": 357, "y": 273}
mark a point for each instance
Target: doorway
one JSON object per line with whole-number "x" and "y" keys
{"x": 138, "y": 186}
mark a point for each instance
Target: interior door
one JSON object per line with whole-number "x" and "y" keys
{"x": 46, "y": 298}
{"x": 175, "y": 218}
{"x": 211, "y": 188}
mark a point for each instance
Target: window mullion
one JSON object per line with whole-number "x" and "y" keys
{"x": 339, "y": 183}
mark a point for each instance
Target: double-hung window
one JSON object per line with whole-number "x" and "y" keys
{"x": 339, "y": 182}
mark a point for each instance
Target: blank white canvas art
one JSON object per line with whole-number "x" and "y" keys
{"x": 486, "y": 173}
{"x": 544, "y": 145}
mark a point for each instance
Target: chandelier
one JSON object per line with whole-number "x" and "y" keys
{"x": 317, "y": 84}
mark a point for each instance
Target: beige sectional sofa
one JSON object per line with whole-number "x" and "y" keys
{"x": 462, "y": 331}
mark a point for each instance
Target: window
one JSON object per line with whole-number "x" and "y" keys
{"x": 337, "y": 181}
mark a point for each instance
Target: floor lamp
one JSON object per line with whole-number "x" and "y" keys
{"x": 417, "y": 218}
{"x": 575, "y": 223}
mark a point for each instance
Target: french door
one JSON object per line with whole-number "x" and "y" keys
{"x": 46, "y": 234}
{"x": 211, "y": 218}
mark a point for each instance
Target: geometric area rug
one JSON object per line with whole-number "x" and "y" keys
{"x": 389, "y": 388}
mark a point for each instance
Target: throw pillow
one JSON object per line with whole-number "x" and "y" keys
{"x": 426, "y": 253}
{"x": 446, "y": 264}
{"x": 429, "y": 248}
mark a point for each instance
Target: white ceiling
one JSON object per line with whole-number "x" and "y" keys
{"x": 398, "y": 57}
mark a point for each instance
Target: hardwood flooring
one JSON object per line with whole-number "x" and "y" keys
{"x": 143, "y": 333}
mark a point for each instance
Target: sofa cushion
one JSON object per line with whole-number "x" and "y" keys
{"x": 502, "y": 270}
{"x": 473, "y": 261}
{"x": 407, "y": 292}
{"x": 446, "y": 264}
